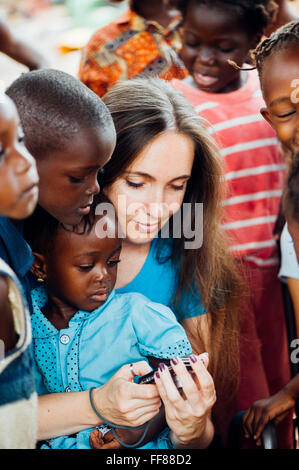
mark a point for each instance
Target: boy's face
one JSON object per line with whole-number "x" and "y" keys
{"x": 210, "y": 38}
{"x": 280, "y": 85}
{"x": 68, "y": 178}
{"x": 18, "y": 174}
{"x": 81, "y": 269}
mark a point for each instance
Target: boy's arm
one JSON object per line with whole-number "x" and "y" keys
{"x": 274, "y": 408}
{"x": 18, "y": 50}
{"x": 8, "y": 334}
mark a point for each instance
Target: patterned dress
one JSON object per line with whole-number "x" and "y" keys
{"x": 131, "y": 46}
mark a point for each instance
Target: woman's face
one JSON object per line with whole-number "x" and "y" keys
{"x": 152, "y": 188}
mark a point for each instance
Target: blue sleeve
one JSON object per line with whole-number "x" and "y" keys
{"x": 158, "y": 332}
{"x": 190, "y": 305}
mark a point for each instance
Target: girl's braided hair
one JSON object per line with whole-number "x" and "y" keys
{"x": 257, "y": 15}
{"x": 285, "y": 36}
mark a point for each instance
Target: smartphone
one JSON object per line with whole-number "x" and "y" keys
{"x": 149, "y": 378}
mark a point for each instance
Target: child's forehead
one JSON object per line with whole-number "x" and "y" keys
{"x": 100, "y": 233}
{"x": 279, "y": 71}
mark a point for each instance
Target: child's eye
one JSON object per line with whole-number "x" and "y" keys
{"x": 75, "y": 180}
{"x": 226, "y": 50}
{"x": 113, "y": 262}
{"x": 286, "y": 114}
{"x": 85, "y": 267}
{"x": 2, "y": 151}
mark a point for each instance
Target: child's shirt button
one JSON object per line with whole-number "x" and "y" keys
{"x": 65, "y": 339}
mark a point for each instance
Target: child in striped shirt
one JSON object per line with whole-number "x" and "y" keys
{"x": 217, "y": 34}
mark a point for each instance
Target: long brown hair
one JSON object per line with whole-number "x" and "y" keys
{"x": 141, "y": 110}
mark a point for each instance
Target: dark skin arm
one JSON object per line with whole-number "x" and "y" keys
{"x": 8, "y": 334}
{"x": 274, "y": 408}
{"x": 157, "y": 424}
{"x": 18, "y": 50}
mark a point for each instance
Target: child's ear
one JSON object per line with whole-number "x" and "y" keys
{"x": 266, "y": 115}
{"x": 39, "y": 267}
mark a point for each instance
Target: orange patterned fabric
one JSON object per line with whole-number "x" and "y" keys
{"x": 131, "y": 46}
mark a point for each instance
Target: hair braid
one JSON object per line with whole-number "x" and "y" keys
{"x": 287, "y": 35}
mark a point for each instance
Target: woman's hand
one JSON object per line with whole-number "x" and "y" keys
{"x": 188, "y": 415}
{"x": 262, "y": 411}
{"x": 125, "y": 403}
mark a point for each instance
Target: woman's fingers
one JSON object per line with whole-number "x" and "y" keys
{"x": 170, "y": 390}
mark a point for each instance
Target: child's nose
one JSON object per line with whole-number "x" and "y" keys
{"x": 206, "y": 55}
{"x": 25, "y": 162}
{"x": 101, "y": 274}
{"x": 94, "y": 187}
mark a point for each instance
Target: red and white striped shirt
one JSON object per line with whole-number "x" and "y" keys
{"x": 254, "y": 168}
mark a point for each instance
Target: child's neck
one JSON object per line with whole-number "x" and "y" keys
{"x": 155, "y": 11}
{"x": 58, "y": 312}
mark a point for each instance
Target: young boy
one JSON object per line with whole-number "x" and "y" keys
{"x": 18, "y": 197}
{"x": 70, "y": 133}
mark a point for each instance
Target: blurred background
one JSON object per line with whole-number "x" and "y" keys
{"x": 58, "y": 29}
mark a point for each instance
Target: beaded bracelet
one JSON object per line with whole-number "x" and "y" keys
{"x": 112, "y": 425}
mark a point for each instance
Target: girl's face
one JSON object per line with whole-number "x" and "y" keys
{"x": 210, "y": 38}
{"x": 280, "y": 85}
{"x": 152, "y": 188}
{"x": 18, "y": 174}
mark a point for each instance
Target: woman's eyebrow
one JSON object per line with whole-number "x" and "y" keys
{"x": 147, "y": 175}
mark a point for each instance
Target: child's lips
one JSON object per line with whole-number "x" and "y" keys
{"x": 101, "y": 295}
{"x": 203, "y": 80}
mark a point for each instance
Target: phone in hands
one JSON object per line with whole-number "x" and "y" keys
{"x": 149, "y": 378}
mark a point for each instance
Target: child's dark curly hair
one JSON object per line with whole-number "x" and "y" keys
{"x": 286, "y": 36}
{"x": 290, "y": 200}
{"x": 256, "y": 15}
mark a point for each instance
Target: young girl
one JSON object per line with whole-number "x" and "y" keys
{"x": 87, "y": 330}
{"x": 277, "y": 63}
{"x": 18, "y": 198}
{"x": 276, "y": 60}
{"x": 277, "y": 406}
{"x": 217, "y": 34}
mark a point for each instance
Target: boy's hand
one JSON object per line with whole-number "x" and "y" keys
{"x": 262, "y": 411}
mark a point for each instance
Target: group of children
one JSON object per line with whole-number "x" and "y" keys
{"x": 71, "y": 136}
